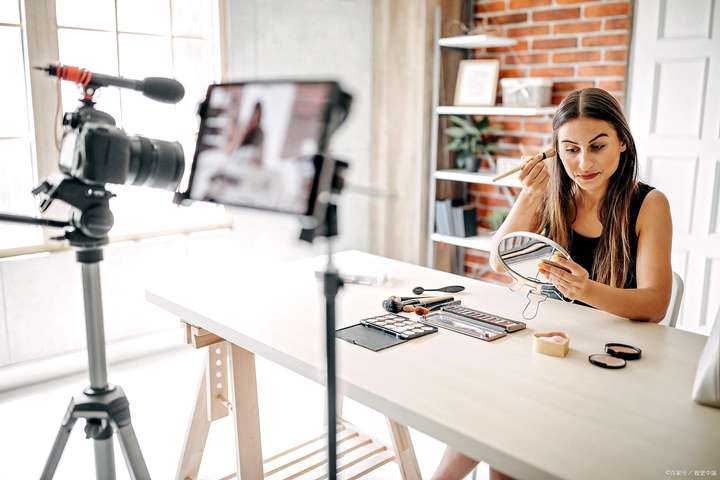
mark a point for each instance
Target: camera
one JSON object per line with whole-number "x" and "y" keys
{"x": 96, "y": 151}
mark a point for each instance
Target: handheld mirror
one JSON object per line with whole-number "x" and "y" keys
{"x": 521, "y": 254}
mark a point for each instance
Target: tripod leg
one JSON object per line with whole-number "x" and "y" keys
{"x": 60, "y": 441}
{"x": 131, "y": 450}
{"x": 105, "y": 458}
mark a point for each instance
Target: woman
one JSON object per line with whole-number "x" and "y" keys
{"x": 618, "y": 231}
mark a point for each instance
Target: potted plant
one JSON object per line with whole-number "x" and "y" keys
{"x": 470, "y": 140}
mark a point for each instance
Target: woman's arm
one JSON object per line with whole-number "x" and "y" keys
{"x": 525, "y": 212}
{"x": 647, "y": 302}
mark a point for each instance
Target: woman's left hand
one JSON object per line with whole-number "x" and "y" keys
{"x": 574, "y": 284}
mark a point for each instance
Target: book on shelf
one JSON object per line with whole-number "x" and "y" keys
{"x": 464, "y": 221}
{"x": 443, "y": 217}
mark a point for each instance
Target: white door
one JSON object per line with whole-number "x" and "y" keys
{"x": 674, "y": 113}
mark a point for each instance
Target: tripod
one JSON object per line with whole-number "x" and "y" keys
{"x": 104, "y": 407}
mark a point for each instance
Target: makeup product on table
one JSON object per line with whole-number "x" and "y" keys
{"x": 494, "y": 320}
{"x": 464, "y": 325}
{"x": 395, "y": 304}
{"x": 620, "y": 350}
{"x": 448, "y": 289}
{"x": 546, "y": 154}
{"x": 399, "y": 326}
{"x": 615, "y": 355}
{"x": 556, "y": 344}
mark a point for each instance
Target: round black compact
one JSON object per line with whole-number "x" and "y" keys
{"x": 620, "y": 350}
{"x": 603, "y": 360}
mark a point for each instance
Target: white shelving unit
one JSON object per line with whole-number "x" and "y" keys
{"x": 468, "y": 42}
{"x": 495, "y": 110}
{"x": 476, "y": 41}
{"x": 458, "y": 175}
{"x": 478, "y": 242}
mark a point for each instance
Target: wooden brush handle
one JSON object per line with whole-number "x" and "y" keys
{"x": 546, "y": 154}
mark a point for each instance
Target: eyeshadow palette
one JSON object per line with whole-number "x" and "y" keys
{"x": 399, "y": 326}
{"x": 464, "y": 325}
{"x": 506, "y": 324}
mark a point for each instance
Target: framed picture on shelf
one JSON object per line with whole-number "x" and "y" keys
{"x": 476, "y": 82}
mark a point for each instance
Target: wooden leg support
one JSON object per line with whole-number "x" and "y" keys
{"x": 247, "y": 421}
{"x": 196, "y": 435}
{"x": 402, "y": 444}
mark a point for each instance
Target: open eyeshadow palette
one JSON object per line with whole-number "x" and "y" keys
{"x": 399, "y": 326}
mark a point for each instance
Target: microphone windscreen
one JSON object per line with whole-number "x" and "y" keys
{"x": 162, "y": 89}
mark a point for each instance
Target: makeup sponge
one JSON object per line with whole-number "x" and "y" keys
{"x": 556, "y": 344}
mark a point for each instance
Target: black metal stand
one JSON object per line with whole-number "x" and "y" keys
{"x": 104, "y": 407}
{"x": 332, "y": 283}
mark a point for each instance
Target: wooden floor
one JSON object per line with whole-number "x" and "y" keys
{"x": 161, "y": 391}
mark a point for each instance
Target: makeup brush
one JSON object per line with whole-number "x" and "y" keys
{"x": 449, "y": 289}
{"x": 395, "y": 304}
{"x": 550, "y": 152}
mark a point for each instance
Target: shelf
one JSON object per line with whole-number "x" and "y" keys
{"x": 495, "y": 110}
{"x": 476, "y": 177}
{"x": 478, "y": 242}
{"x": 476, "y": 41}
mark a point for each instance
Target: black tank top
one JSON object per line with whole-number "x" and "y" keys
{"x": 582, "y": 248}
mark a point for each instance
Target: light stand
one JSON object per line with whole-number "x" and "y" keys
{"x": 104, "y": 406}
{"x": 331, "y": 285}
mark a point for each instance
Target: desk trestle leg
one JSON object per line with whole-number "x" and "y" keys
{"x": 225, "y": 364}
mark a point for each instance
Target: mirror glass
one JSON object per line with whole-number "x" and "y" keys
{"x": 521, "y": 253}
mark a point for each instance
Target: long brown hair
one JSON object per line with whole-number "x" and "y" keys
{"x": 613, "y": 257}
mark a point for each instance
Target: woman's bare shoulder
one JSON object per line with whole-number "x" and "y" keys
{"x": 655, "y": 211}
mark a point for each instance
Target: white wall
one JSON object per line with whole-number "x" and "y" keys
{"x": 315, "y": 39}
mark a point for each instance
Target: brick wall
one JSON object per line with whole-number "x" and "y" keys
{"x": 576, "y": 43}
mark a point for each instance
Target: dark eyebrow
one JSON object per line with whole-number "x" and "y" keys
{"x": 593, "y": 139}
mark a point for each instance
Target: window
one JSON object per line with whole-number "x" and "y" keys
{"x": 133, "y": 39}
{"x": 17, "y": 172}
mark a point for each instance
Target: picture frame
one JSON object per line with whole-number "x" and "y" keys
{"x": 476, "y": 83}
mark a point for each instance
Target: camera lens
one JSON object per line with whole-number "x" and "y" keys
{"x": 155, "y": 163}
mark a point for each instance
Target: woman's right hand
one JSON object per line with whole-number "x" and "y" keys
{"x": 535, "y": 176}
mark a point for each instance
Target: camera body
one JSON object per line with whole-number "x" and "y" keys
{"x": 95, "y": 151}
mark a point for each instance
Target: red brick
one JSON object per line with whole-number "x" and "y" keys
{"x": 566, "y": 2}
{"x": 557, "y": 99}
{"x": 600, "y": 40}
{"x": 545, "y": 127}
{"x": 612, "y": 85}
{"x": 512, "y": 72}
{"x": 489, "y": 6}
{"x": 554, "y": 43}
{"x": 569, "y": 86}
{"x": 520, "y": 46}
{"x": 481, "y": 187}
{"x": 529, "y": 3}
{"x": 496, "y": 202}
{"x": 506, "y": 126}
{"x": 556, "y": 14}
{"x": 572, "y": 57}
{"x": 524, "y": 31}
{"x": 506, "y": 19}
{"x": 551, "y": 72}
{"x": 525, "y": 59}
{"x": 617, "y": 23}
{"x": 608, "y": 10}
{"x": 602, "y": 70}
{"x": 577, "y": 27}
{"x": 616, "y": 55}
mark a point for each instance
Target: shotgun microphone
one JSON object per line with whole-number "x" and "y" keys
{"x": 166, "y": 90}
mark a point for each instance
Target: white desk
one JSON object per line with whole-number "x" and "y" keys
{"x": 529, "y": 415}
